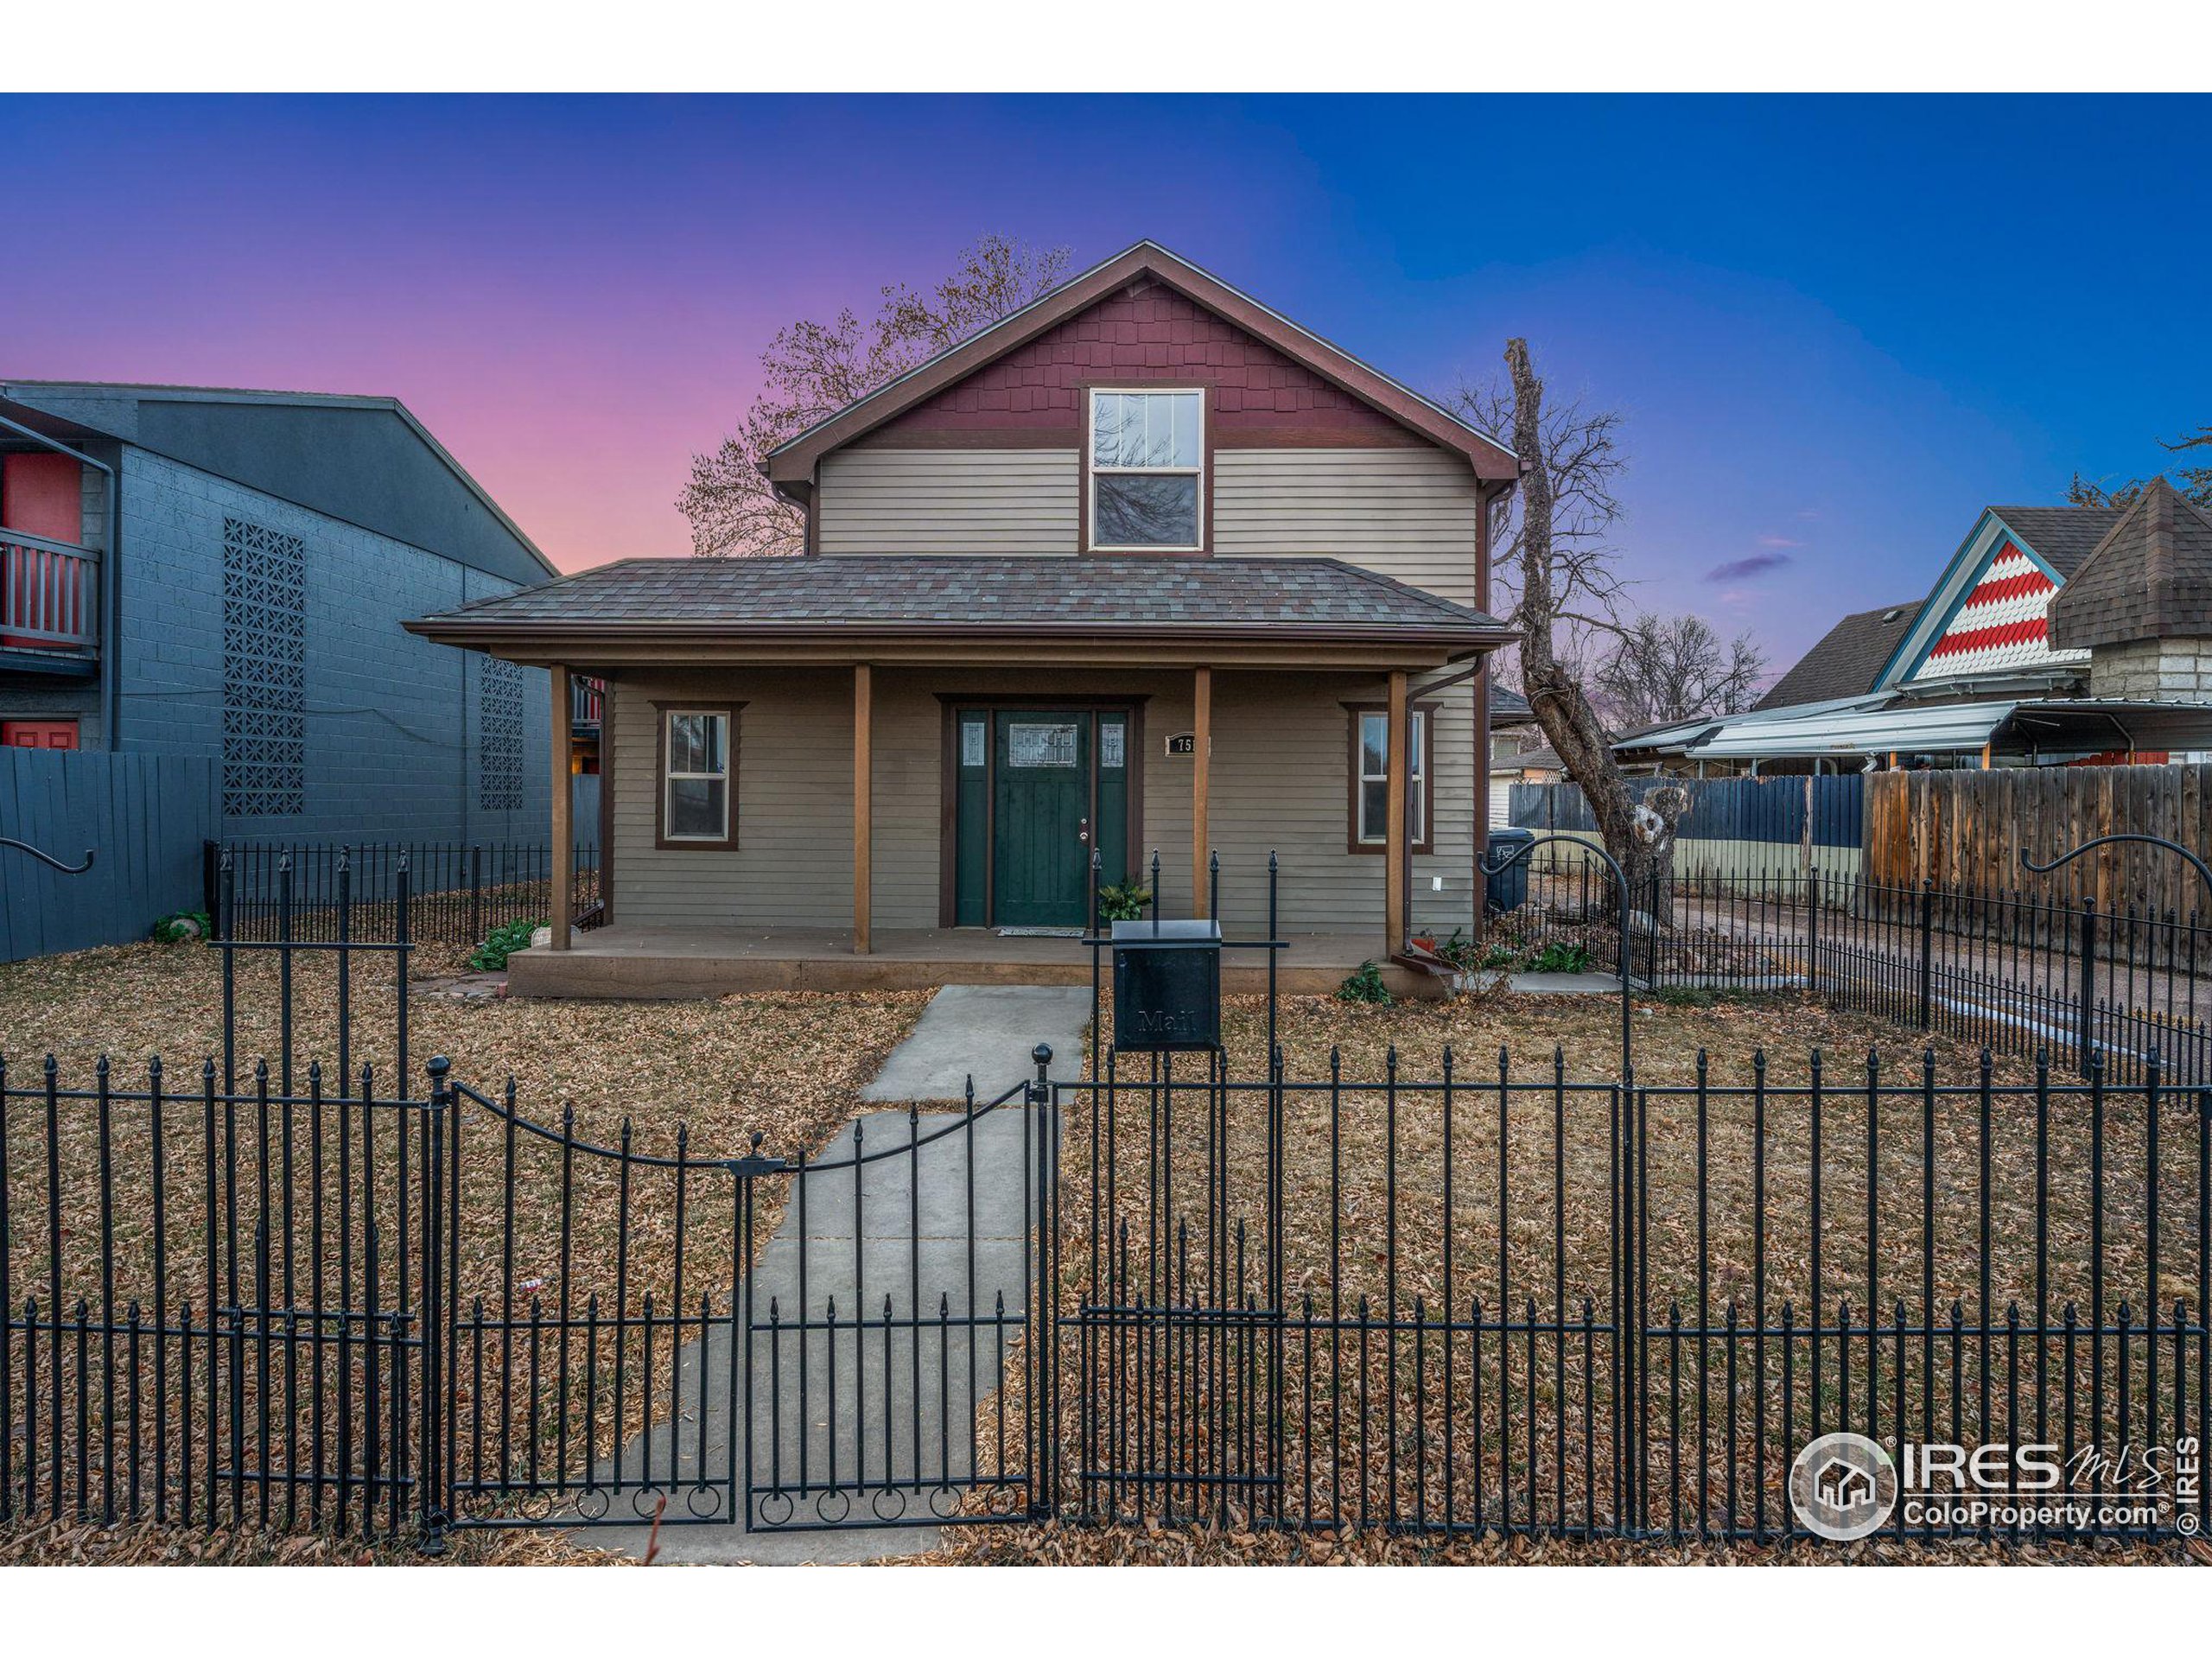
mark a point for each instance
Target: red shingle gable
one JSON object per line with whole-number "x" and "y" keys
{"x": 1148, "y": 332}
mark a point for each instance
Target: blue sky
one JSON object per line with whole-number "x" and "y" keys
{"x": 1839, "y": 327}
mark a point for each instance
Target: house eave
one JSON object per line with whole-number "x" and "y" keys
{"x": 708, "y": 643}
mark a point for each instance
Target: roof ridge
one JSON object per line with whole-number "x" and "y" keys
{"x": 1143, "y": 250}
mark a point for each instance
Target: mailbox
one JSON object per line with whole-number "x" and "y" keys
{"x": 1167, "y": 985}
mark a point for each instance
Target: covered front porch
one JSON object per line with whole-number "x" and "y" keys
{"x": 911, "y": 789}
{"x": 649, "y": 961}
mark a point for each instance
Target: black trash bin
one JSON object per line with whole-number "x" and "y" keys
{"x": 1166, "y": 986}
{"x": 1508, "y": 889}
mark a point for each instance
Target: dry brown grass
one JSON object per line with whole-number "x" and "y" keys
{"x": 706, "y": 1075}
{"x": 1529, "y": 1230}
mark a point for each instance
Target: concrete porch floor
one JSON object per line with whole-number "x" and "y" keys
{"x": 623, "y": 962}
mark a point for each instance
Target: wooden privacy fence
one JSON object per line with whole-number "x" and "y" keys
{"x": 1965, "y": 830}
{"x": 145, "y": 815}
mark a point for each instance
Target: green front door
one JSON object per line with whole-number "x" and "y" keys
{"x": 1040, "y": 817}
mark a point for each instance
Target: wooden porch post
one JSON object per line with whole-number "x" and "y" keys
{"x": 863, "y": 807}
{"x": 1201, "y": 766}
{"x": 563, "y": 850}
{"x": 1394, "y": 882}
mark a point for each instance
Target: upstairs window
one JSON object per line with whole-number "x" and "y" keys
{"x": 1147, "y": 471}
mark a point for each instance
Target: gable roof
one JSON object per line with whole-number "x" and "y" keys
{"x": 1846, "y": 658}
{"x": 793, "y": 461}
{"x": 365, "y": 459}
{"x": 2149, "y": 578}
{"x": 2062, "y": 536}
{"x": 1293, "y": 604}
{"x": 2054, "y": 539}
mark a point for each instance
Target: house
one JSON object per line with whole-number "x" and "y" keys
{"x": 190, "y": 571}
{"x": 2024, "y": 653}
{"x": 1145, "y": 567}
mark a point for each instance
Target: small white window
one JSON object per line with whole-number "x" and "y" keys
{"x": 1147, "y": 465}
{"x": 696, "y": 777}
{"x": 1374, "y": 762}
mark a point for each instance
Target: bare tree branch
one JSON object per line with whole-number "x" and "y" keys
{"x": 810, "y": 370}
{"x": 1664, "y": 669}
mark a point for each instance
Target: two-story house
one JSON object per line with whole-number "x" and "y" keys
{"x": 1144, "y": 568}
{"x": 220, "y": 573}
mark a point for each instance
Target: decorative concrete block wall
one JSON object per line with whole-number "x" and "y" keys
{"x": 390, "y": 743}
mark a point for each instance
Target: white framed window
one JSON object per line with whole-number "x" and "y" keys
{"x": 698, "y": 776}
{"x": 1147, "y": 471}
{"x": 1371, "y": 778}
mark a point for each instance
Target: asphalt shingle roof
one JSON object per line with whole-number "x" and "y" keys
{"x": 2150, "y": 578}
{"x": 1847, "y": 659}
{"x": 1508, "y": 707}
{"x": 971, "y": 591}
{"x": 2063, "y": 535}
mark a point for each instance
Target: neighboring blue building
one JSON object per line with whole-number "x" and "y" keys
{"x": 223, "y": 574}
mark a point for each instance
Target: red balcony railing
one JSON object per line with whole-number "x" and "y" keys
{"x": 49, "y": 594}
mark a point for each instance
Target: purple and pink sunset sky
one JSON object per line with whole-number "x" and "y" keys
{"x": 1839, "y": 327}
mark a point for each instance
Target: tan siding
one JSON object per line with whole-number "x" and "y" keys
{"x": 1014, "y": 501}
{"x": 1407, "y": 513}
{"x": 793, "y": 861}
{"x": 1281, "y": 763}
{"x": 1282, "y": 771}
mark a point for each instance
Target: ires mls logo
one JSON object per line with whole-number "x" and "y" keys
{"x": 1843, "y": 1487}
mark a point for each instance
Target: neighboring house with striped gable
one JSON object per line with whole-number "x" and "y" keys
{"x": 2003, "y": 663}
{"x": 1986, "y": 612}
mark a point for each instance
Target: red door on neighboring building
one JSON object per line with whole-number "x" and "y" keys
{"x": 38, "y": 733}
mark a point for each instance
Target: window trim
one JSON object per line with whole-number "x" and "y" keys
{"x": 1091, "y": 471}
{"x": 1425, "y": 735}
{"x": 663, "y": 841}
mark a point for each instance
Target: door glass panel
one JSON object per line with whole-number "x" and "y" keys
{"x": 1111, "y": 753}
{"x": 972, "y": 742}
{"x": 1038, "y": 745}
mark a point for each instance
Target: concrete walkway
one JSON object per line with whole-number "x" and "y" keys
{"x": 940, "y": 1226}
{"x": 989, "y": 1031}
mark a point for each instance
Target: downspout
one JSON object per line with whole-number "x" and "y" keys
{"x": 111, "y": 580}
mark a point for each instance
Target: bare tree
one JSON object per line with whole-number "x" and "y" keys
{"x": 2195, "y": 482}
{"x": 811, "y": 370}
{"x": 1554, "y": 565}
{"x": 1668, "y": 668}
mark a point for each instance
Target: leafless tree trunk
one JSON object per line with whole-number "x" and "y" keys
{"x": 1642, "y": 836}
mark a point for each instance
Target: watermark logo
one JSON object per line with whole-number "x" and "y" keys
{"x": 1843, "y": 1487}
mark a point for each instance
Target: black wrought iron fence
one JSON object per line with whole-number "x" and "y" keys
{"x": 2014, "y": 971}
{"x": 455, "y": 892}
{"x": 1435, "y": 1293}
{"x": 1490, "y": 1299}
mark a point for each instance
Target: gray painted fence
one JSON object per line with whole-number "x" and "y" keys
{"x": 143, "y": 816}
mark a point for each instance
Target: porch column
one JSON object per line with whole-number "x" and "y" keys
{"x": 1394, "y": 881}
{"x": 863, "y": 806}
{"x": 563, "y": 851}
{"x": 1201, "y": 764}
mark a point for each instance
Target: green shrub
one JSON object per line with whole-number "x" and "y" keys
{"x": 502, "y": 943}
{"x": 1124, "y": 903}
{"x": 1561, "y": 957}
{"x": 1364, "y": 986}
{"x": 181, "y": 926}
